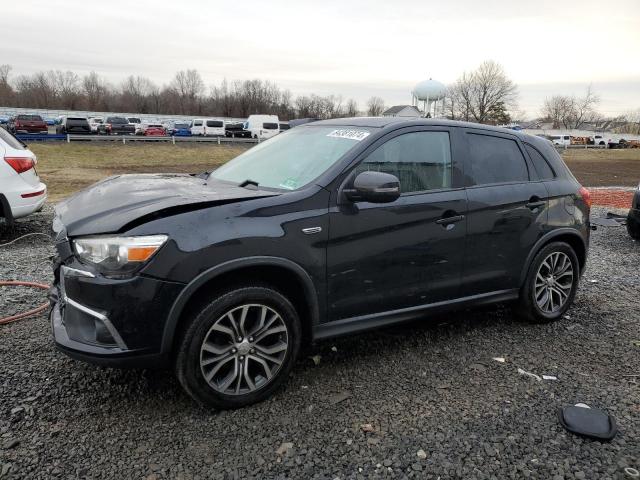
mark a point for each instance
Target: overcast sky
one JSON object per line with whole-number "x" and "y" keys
{"x": 351, "y": 48}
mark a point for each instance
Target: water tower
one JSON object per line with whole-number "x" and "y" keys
{"x": 431, "y": 93}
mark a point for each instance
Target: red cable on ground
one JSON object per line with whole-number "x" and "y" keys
{"x": 34, "y": 311}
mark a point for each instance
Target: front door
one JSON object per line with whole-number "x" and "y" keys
{"x": 384, "y": 257}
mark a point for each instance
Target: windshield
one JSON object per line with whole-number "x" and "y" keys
{"x": 33, "y": 118}
{"x": 117, "y": 120}
{"x": 181, "y": 125}
{"x": 293, "y": 159}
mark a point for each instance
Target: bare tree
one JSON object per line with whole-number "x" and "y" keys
{"x": 567, "y": 111}
{"x": 478, "y": 95}
{"x": 136, "y": 93}
{"x": 188, "y": 86}
{"x": 351, "y": 108}
{"x": 95, "y": 92}
{"x": 375, "y": 106}
{"x": 6, "y": 91}
{"x": 630, "y": 122}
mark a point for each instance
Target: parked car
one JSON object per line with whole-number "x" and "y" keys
{"x": 561, "y": 140}
{"x": 337, "y": 227}
{"x": 73, "y": 125}
{"x": 94, "y": 123}
{"x": 154, "y": 130}
{"x": 180, "y": 129}
{"x": 116, "y": 126}
{"x": 236, "y": 129}
{"x": 27, "y": 124}
{"x": 599, "y": 140}
{"x": 263, "y": 126}
{"x": 633, "y": 217}
{"x": 21, "y": 191}
{"x": 50, "y": 121}
{"x": 208, "y": 127}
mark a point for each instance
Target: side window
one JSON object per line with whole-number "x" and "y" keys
{"x": 197, "y": 123}
{"x": 420, "y": 160}
{"x": 496, "y": 160}
{"x": 542, "y": 166}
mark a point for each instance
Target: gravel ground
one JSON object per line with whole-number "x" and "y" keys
{"x": 421, "y": 401}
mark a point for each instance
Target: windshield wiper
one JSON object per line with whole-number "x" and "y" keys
{"x": 250, "y": 184}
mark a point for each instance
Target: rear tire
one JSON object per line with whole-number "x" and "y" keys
{"x": 239, "y": 348}
{"x": 633, "y": 227}
{"x": 551, "y": 284}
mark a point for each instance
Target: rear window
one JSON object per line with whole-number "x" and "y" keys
{"x": 197, "y": 123}
{"x": 214, "y": 123}
{"x": 181, "y": 125}
{"x": 77, "y": 119}
{"x": 32, "y": 118}
{"x": 134, "y": 120}
{"x": 270, "y": 126}
{"x": 496, "y": 160}
{"x": 10, "y": 140}
{"x": 545, "y": 172}
{"x": 117, "y": 120}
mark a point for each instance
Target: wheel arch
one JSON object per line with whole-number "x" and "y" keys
{"x": 285, "y": 275}
{"x": 567, "y": 235}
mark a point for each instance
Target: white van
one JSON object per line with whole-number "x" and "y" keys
{"x": 563, "y": 140}
{"x": 208, "y": 127}
{"x": 262, "y": 126}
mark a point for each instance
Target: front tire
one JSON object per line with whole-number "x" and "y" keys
{"x": 239, "y": 348}
{"x": 551, "y": 284}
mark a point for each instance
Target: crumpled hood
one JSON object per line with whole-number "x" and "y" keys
{"x": 110, "y": 205}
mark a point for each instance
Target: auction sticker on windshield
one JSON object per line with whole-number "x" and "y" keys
{"x": 356, "y": 135}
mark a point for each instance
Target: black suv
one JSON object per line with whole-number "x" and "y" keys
{"x": 332, "y": 228}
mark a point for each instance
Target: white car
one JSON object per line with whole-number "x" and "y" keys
{"x": 21, "y": 191}
{"x": 94, "y": 122}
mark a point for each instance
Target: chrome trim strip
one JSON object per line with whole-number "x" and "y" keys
{"x": 311, "y": 230}
{"x": 107, "y": 323}
{"x": 72, "y": 271}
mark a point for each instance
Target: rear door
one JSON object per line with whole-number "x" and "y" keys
{"x": 507, "y": 211}
{"x": 384, "y": 257}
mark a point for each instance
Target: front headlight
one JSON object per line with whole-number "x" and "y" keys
{"x": 117, "y": 256}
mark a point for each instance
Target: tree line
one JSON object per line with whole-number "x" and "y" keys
{"x": 186, "y": 94}
{"x": 484, "y": 95}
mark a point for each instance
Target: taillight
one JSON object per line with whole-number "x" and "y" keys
{"x": 586, "y": 196}
{"x": 20, "y": 164}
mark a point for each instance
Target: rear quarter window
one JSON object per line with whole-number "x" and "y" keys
{"x": 214, "y": 123}
{"x": 545, "y": 172}
{"x": 496, "y": 160}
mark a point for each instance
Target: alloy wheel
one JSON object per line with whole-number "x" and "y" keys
{"x": 554, "y": 282}
{"x": 244, "y": 349}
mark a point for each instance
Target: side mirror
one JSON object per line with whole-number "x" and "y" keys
{"x": 374, "y": 187}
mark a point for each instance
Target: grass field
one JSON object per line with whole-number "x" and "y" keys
{"x": 66, "y": 168}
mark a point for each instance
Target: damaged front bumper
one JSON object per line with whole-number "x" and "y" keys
{"x": 111, "y": 322}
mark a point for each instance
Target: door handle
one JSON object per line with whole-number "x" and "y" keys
{"x": 534, "y": 205}
{"x": 450, "y": 220}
